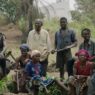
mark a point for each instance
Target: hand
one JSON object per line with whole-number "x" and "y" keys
{"x": 79, "y": 77}
{"x": 26, "y": 60}
{"x": 52, "y": 51}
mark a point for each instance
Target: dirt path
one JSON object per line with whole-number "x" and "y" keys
{"x": 12, "y": 33}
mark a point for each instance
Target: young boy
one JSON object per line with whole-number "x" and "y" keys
{"x": 34, "y": 68}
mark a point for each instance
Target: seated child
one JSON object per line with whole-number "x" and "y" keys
{"x": 34, "y": 69}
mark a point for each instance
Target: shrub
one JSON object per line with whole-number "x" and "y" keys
{"x": 22, "y": 24}
{"x": 3, "y": 20}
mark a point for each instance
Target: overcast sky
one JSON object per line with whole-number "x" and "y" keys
{"x": 72, "y": 2}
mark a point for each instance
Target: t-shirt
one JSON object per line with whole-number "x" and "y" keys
{"x": 39, "y": 42}
{"x": 63, "y": 39}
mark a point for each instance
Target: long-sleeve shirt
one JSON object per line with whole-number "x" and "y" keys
{"x": 39, "y": 42}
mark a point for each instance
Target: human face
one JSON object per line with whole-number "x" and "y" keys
{"x": 23, "y": 52}
{"x": 63, "y": 23}
{"x": 36, "y": 58}
{"x": 86, "y": 35}
{"x": 38, "y": 25}
{"x": 82, "y": 57}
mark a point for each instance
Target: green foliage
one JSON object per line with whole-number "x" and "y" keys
{"x": 9, "y": 9}
{"x": 85, "y": 22}
{"x": 3, "y": 84}
{"x": 87, "y": 8}
{"x": 52, "y": 25}
{"x": 22, "y": 24}
{"x": 36, "y": 13}
{"x": 15, "y": 9}
{"x": 12, "y": 87}
{"x": 78, "y": 26}
{"x": 54, "y": 90}
{"x": 3, "y": 19}
{"x": 76, "y": 15}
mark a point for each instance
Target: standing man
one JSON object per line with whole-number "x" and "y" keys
{"x": 39, "y": 39}
{"x": 87, "y": 44}
{"x": 64, "y": 38}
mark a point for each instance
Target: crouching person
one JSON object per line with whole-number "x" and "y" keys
{"x": 77, "y": 84}
{"x": 18, "y": 75}
{"x": 34, "y": 71}
{"x": 82, "y": 71}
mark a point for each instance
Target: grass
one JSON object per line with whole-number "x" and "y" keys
{"x": 3, "y": 84}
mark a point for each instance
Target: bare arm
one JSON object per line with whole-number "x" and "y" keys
{"x": 61, "y": 84}
{"x": 71, "y": 46}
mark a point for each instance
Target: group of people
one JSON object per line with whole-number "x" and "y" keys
{"x": 34, "y": 54}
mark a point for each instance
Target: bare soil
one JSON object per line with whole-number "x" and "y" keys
{"x": 12, "y": 33}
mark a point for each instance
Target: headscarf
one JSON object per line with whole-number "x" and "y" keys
{"x": 84, "y": 52}
{"x": 35, "y": 52}
{"x": 24, "y": 48}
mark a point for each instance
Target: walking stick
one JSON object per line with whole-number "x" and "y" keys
{"x": 58, "y": 50}
{"x": 13, "y": 57}
{"x": 10, "y": 54}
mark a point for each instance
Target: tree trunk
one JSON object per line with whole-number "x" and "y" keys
{"x": 30, "y": 16}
